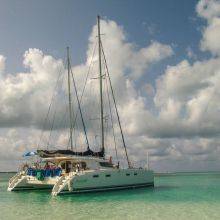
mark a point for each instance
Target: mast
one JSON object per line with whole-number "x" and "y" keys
{"x": 100, "y": 85}
{"x": 116, "y": 109}
{"x": 70, "y": 105}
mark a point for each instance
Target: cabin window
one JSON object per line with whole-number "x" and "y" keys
{"x": 83, "y": 164}
{"x": 95, "y": 176}
{"x": 68, "y": 166}
{"x": 135, "y": 174}
{"x": 108, "y": 175}
{"x": 106, "y": 164}
{"x": 63, "y": 166}
{"x": 127, "y": 174}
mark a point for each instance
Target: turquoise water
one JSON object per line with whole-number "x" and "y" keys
{"x": 181, "y": 196}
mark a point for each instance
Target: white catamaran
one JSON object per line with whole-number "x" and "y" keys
{"x": 69, "y": 171}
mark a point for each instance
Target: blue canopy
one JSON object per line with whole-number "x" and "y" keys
{"x": 28, "y": 154}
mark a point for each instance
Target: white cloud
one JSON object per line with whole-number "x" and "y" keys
{"x": 183, "y": 125}
{"x": 190, "y": 53}
{"x": 210, "y": 10}
{"x": 211, "y": 36}
{"x": 27, "y": 95}
{"x": 2, "y": 64}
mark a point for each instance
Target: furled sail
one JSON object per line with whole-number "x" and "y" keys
{"x": 60, "y": 153}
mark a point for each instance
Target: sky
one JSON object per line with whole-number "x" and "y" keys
{"x": 164, "y": 61}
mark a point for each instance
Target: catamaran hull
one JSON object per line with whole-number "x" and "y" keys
{"x": 108, "y": 180}
{"x": 87, "y": 181}
{"x": 108, "y": 188}
{"x": 32, "y": 187}
{"x": 25, "y": 182}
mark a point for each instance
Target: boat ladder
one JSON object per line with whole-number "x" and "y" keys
{"x": 15, "y": 180}
{"x": 62, "y": 182}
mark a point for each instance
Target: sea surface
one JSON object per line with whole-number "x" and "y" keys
{"x": 177, "y": 196}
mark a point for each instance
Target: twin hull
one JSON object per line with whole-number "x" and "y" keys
{"x": 100, "y": 180}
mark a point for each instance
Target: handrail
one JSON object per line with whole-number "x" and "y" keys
{"x": 58, "y": 183}
{"x": 15, "y": 176}
{"x": 15, "y": 180}
{"x": 61, "y": 183}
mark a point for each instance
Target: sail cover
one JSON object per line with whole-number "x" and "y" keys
{"x": 60, "y": 153}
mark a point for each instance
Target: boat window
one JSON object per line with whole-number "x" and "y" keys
{"x": 106, "y": 164}
{"x": 73, "y": 165}
{"x": 108, "y": 175}
{"x": 63, "y": 166}
{"x": 68, "y": 166}
{"x": 83, "y": 164}
{"x": 95, "y": 176}
{"x": 127, "y": 174}
{"x": 135, "y": 174}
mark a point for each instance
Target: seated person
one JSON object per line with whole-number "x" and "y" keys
{"x": 47, "y": 166}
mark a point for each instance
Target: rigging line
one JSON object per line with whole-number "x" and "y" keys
{"x": 111, "y": 117}
{"x": 70, "y": 100}
{"x": 100, "y": 86}
{"x": 68, "y": 143}
{"x": 75, "y": 140}
{"x": 61, "y": 121}
{"x": 65, "y": 123}
{"x": 48, "y": 111}
{"x": 52, "y": 126}
{"x": 80, "y": 110}
{"x": 87, "y": 76}
{"x": 75, "y": 136}
{"x": 116, "y": 109}
{"x": 90, "y": 66}
{"x": 107, "y": 133}
{"x": 92, "y": 113}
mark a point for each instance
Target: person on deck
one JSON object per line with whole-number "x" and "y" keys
{"x": 47, "y": 166}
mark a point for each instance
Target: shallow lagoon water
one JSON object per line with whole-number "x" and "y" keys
{"x": 179, "y": 196}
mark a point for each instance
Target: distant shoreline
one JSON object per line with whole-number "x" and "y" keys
{"x": 8, "y": 171}
{"x": 186, "y": 172}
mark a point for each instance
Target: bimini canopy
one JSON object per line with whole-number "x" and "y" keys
{"x": 60, "y": 153}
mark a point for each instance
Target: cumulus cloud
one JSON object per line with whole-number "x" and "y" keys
{"x": 2, "y": 64}
{"x": 210, "y": 10}
{"x": 190, "y": 53}
{"x": 187, "y": 94}
{"x": 27, "y": 95}
{"x": 181, "y": 123}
